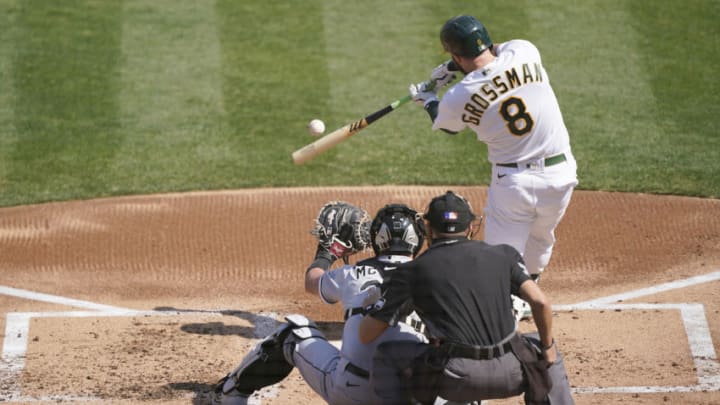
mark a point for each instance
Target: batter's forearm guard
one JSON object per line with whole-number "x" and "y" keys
{"x": 432, "y": 109}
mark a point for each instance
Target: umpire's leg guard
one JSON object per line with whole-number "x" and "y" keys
{"x": 271, "y": 360}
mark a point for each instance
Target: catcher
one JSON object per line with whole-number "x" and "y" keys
{"x": 338, "y": 376}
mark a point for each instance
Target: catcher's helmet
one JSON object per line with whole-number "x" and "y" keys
{"x": 397, "y": 229}
{"x": 464, "y": 35}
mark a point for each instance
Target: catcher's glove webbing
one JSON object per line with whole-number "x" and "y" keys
{"x": 342, "y": 228}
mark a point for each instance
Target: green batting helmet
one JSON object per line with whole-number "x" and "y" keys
{"x": 464, "y": 35}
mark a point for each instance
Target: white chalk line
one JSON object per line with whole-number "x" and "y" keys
{"x": 693, "y": 314}
{"x": 55, "y": 299}
{"x": 17, "y": 330}
{"x": 672, "y": 285}
{"x": 696, "y": 328}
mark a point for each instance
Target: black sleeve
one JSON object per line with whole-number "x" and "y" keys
{"x": 432, "y": 109}
{"x": 396, "y": 299}
{"x": 518, "y": 272}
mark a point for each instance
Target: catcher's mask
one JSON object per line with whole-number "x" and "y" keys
{"x": 464, "y": 35}
{"x": 397, "y": 229}
{"x": 450, "y": 213}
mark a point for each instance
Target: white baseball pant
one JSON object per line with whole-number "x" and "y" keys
{"x": 525, "y": 205}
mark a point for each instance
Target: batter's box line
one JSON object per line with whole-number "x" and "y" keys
{"x": 693, "y": 315}
{"x": 17, "y": 329}
{"x": 58, "y": 300}
{"x": 696, "y": 328}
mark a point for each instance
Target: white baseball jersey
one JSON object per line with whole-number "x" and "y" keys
{"x": 510, "y": 105}
{"x": 322, "y": 365}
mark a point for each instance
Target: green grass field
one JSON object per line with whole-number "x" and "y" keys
{"x": 103, "y": 98}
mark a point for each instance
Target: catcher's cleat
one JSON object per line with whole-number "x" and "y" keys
{"x": 231, "y": 396}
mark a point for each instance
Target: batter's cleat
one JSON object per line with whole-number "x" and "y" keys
{"x": 521, "y": 309}
{"x": 223, "y": 395}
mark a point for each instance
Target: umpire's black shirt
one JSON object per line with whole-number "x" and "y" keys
{"x": 460, "y": 288}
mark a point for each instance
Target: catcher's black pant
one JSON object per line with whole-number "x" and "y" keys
{"x": 404, "y": 370}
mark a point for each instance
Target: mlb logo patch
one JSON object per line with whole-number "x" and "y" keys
{"x": 451, "y": 215}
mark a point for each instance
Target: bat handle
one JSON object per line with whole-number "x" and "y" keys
{"x": 401, "y": 101}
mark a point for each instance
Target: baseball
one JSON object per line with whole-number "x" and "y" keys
{"x": 316, "y": 127}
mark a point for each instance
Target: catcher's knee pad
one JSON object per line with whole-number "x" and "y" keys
{"x": 415, "y": 322}
{"x": 271, "y": 361}
{"x": 302, "y": 328}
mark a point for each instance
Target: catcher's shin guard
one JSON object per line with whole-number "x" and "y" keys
{"x": 271, "y": 360}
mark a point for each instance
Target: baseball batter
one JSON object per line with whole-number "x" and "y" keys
{"x": 338, "y": 376}
{"x": 506, "y": 99}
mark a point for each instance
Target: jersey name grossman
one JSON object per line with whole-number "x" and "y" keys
{"x": 497, "y": 86}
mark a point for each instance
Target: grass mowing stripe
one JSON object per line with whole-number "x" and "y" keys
{"x": 681, "y": 63}
{"x": 8, "y": 13}
{"x": 65, "y": 93}
{"x": 217, "y": 94}
{"x": 171, "y": 97}
{"x": 374, "y": 56}
{"x": 274, "y": 82}
{"x": 604, "y": 91}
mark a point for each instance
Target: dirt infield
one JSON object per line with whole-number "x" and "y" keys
{"x": 153, "y": 298}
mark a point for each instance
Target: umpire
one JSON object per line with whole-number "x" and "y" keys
{"x": 461, "y": 289}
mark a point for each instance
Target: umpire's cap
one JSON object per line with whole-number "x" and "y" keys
{"x": 449, "y": 213}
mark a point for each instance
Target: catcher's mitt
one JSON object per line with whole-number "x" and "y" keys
{"x": 339, "y": 221}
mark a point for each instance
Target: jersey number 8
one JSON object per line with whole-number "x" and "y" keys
{"x": 518, "y": 120}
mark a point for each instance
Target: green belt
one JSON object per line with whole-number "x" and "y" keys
{"x": 549, "y": 161}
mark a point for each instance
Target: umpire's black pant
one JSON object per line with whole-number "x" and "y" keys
{"x": 399, "y": 374}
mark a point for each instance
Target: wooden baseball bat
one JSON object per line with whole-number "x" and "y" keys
{"x": 310, "y": 151}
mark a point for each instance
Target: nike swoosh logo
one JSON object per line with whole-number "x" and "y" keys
{"x": 390, "y": 268}
{"x": 347, "y": 384}
{"x": 500, "y": 176}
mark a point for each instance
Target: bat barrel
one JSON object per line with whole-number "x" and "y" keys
{"x": 309, "y": 151}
